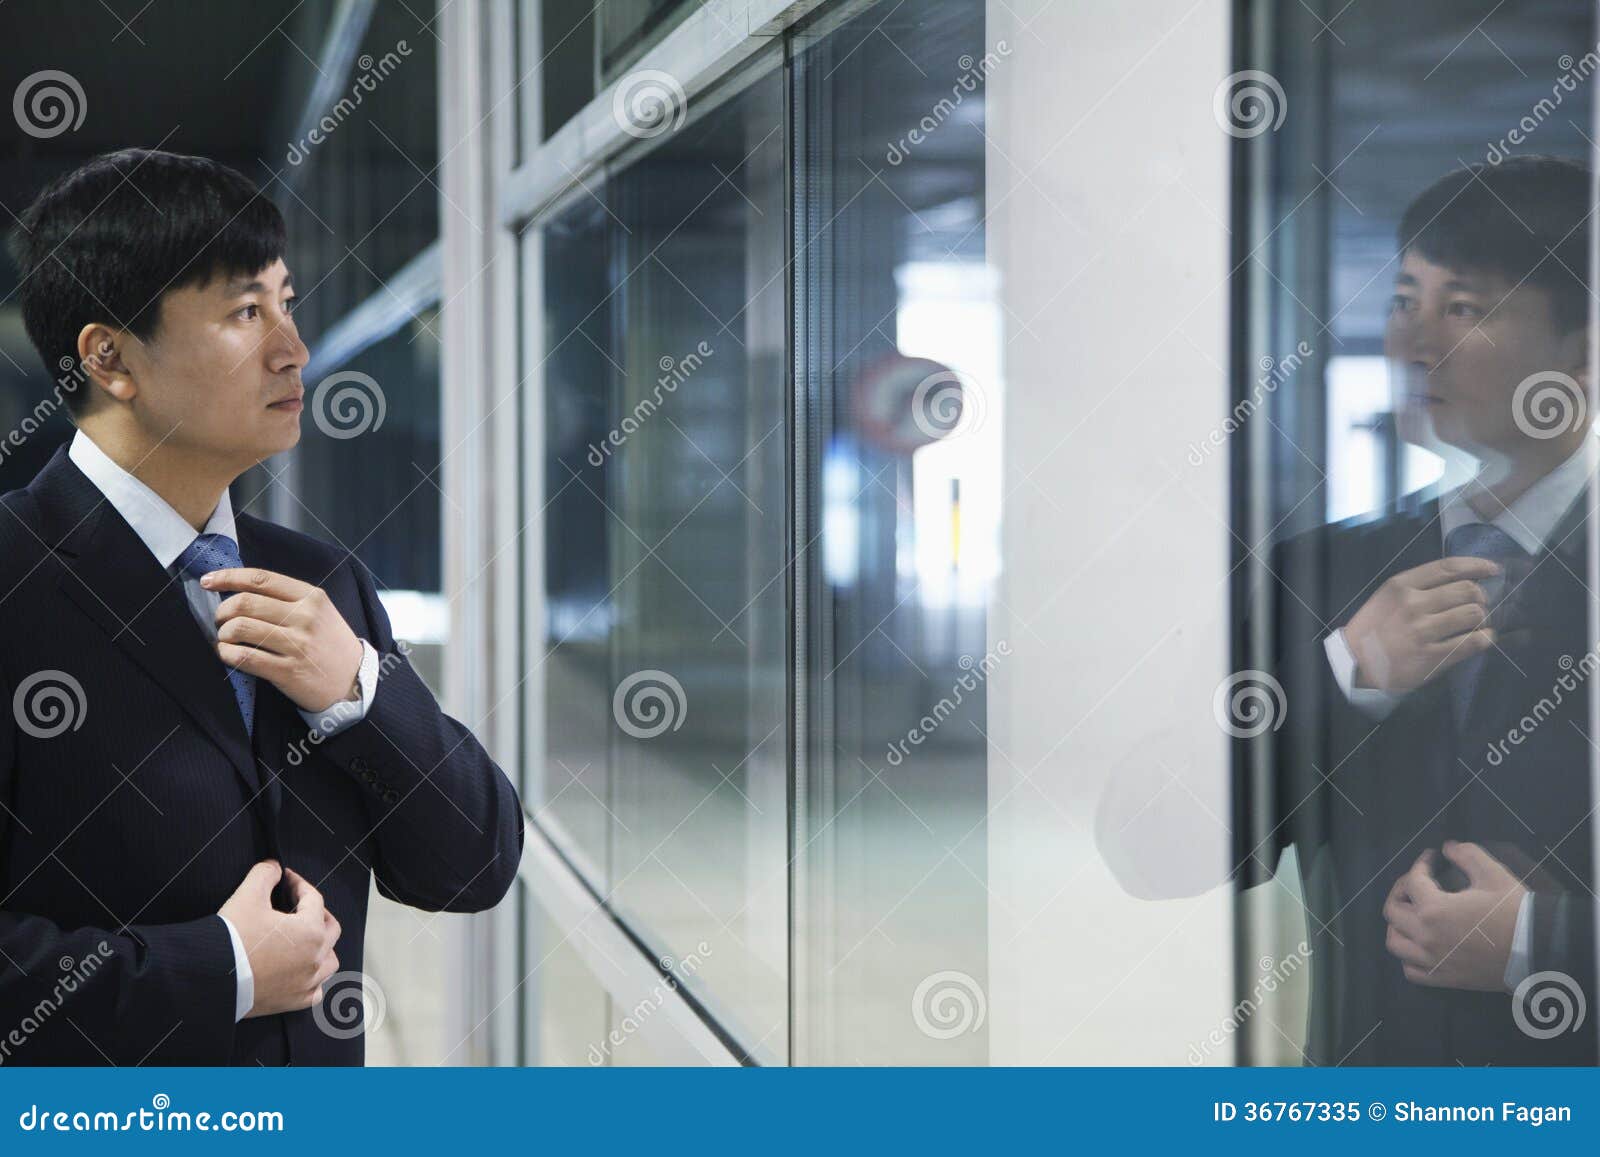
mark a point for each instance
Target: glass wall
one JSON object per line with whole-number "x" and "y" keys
{"x": 666, "y": 513}
{"x": 769, "y": 347}
{"x": 1416, "y": 514}
{"x": 899, "y": 355}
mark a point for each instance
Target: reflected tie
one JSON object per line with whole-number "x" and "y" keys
{"x": 1478, "y": 540}
{"x": 209, "y": 552}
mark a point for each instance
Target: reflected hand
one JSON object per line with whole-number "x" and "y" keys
{"x": 1455, "y": 939}
{"x": 1421, "y": 622}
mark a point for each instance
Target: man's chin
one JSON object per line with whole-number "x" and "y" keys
{"x": 280, "y": 441}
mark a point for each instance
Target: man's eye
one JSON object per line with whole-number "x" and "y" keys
{"x": 248, "y": 312}
{"x": 290, "y": 304}
{"x": 1464, "y": 309}
{"x": 1400, "y": 303}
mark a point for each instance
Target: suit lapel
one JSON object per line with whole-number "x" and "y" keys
{"x": 112, "y": 576}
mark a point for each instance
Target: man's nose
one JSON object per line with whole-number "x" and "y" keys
{"x": 288, "y": 351}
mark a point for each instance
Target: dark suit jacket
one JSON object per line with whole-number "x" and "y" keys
{"x": 1361, "y": 799}
{"x": 123, "y": 833}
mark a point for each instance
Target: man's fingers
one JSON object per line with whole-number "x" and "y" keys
{"x": 254, "y": 606}
{"x": 1404, "y": 920}
{"x": 258, "y": 580}
{"x": 1420, "y": 884}
{"x": 1449, "y": 596}
{"x": 1448, "y": 624}
{"x": 1446, "y": 570}
{"x": 262, "y": 636}
{"x": 1447, "y": 654}
{"x": 331, "y": 927}
{"x": 254, "y": 661}
{"x": 1478, "y": 864}
{"x": 262, "y": 878}
{"x": 307, "y": 900}
{"x": 1405, "y": 949}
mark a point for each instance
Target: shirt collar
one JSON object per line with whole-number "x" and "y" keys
{"x": 1532, "y": 518}
{"x": 161, "y": 528}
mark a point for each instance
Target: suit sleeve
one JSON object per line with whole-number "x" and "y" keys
{"x": 139, "y": 994}
{"x": 446, "y": 822}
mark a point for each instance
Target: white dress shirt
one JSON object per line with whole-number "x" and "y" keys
{"x": 1529, "y": 521}
{"x": 168, "y": 534}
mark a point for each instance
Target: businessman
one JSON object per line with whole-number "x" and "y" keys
{"x": 210, "y": 740}
{"x": 1432, "y": 771}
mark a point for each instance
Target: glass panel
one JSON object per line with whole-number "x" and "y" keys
{"x": 1420, "y": 350}
{"x": 901, "y": 362}
{"x": 567, "y": 1008}
{"x": 698, "y": 505}
{"x": 579, "y": 612}
{"x": 566, "y": 60}
{"x": 382, "y": 501}
{"x": 629, "y": 27}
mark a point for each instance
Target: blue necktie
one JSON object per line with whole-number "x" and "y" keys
{"x": 209, "y": 552}
{"x": 1478, "y": 540}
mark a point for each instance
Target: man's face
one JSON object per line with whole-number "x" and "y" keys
{"x": 221, "y": 375}
{"x": 1460, "y": 343}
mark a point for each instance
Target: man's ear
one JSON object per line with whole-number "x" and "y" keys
{"x": 100, "y": 354}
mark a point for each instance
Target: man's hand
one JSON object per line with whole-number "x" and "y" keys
{"x": 1421, "y": 622}
{"x": 291, "y": 954}
{"x": 287, "y": 632}
{"x": 1455, "y": 939}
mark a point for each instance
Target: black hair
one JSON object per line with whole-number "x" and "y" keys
{"x": 1525, "y": 219}
{"x": 106, "y": 242}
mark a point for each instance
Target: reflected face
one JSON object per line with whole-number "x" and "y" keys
{"x": 221, "y": 375}
{"x": 1460, "y": 343}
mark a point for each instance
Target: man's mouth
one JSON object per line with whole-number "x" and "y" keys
{"x": 292, "y": 404}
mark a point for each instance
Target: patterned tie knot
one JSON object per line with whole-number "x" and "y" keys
{"x": 208, "y": 552}
{"x": 1485, "y": 540}
{"x": 1482, "y": 540}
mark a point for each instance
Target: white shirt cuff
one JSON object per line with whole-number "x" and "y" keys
{"x": 337, "y": 716}
{"x": 1520, "y": 963}
{"x": 1342, "y": 659}
{"x": 245, "y": 993}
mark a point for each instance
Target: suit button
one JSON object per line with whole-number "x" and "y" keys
{"x": 390, "y": 795}
{"x": 358, "y": 765}
{"x": 368, "y": 775}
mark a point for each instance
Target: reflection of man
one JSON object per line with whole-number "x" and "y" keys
{"x": 1434, "y": 767}
{"x": 210, "y": 742}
